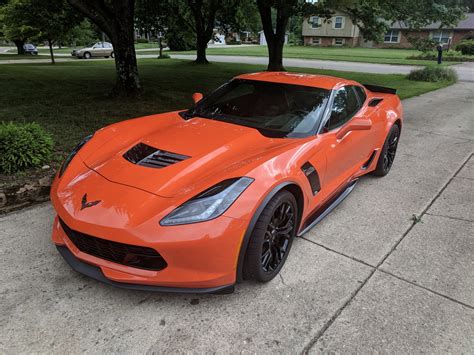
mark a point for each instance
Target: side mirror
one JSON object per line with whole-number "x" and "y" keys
{"x": 356, "y": 124}
{"x": 197, "y": 96}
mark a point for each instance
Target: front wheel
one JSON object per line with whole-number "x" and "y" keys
{"x": 389, "y": 149}
{"x": 87, "y": 55}
{"x": 271, "y": 239}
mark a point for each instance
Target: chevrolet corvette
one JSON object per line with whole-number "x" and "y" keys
{"x": 198, "y": 200}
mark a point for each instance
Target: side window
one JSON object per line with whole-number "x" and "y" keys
{"x": 344, "y": 107}
{"x": 362, "y": 95}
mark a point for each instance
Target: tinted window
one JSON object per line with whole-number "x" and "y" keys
{"x": 282, "y": 110}
{"x": 344, "y": 107}
{"x": 361, "y": 93}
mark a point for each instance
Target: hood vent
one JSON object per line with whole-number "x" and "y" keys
{"x": 145, "y": 155}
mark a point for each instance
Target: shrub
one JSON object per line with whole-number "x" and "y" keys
{"x": 23, "y": 146}
{"x": 466, "y": 47}
{"x": 433, "y": 74}
{"x": 142, "y": 40}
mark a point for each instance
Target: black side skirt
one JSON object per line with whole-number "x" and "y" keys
{"x": 318, "y": 215}
{"x": 95, "y": 273}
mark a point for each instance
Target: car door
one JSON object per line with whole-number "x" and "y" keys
{"x": 344, "y": 154}
{"x": 97, "y": 50}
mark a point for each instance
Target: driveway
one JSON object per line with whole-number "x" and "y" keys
{"x": 367, "y": 279}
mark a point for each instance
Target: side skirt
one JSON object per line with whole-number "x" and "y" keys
{"x": 325, "y": 209}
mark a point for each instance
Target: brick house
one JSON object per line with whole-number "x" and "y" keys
{"x": 397, "y": 36}
{"x": 341, "y": 31}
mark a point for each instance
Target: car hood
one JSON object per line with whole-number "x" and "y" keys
{"x": 215, "y": 150}
{"x": 83, "y": 49}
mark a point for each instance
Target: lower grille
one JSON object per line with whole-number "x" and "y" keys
{"x": 125, "y": 254}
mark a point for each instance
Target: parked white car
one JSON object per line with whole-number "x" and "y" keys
{"x": 100, "y": 49}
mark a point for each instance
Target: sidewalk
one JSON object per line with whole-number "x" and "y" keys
{"x": 367, "y": 279}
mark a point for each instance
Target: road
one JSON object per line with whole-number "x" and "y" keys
{"x": 465, "y": 71}
{"x": 367, "y": 279}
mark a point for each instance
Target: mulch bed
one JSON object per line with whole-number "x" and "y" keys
{"x": 25, "y": 189}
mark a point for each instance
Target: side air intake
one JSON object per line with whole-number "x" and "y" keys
{"x": 312, "y": 176}
{"x": 145, "y": 155}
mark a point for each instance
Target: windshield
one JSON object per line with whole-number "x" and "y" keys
{"x": 279, "y": 110}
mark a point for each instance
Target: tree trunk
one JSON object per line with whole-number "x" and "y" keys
{"x": 201, "y": 49}
{"x": 19, "y": 43}
{"x": 275, "y": 38}
{"x": 160, "y": 44}
{"x": 275, "y": 55}
{"x": 128, "y": 82}
{"x": 51, "y": 52}
{"x": 116, "y": 20}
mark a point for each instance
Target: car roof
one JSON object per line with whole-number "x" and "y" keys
{"x": 319, "y": 81}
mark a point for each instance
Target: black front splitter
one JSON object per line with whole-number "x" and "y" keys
{"x": 96, "y": 274}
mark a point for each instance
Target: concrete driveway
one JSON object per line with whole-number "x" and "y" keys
{"x": 367, "y": 279}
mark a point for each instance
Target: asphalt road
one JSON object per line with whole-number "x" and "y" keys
{"x": 367, "y": 279}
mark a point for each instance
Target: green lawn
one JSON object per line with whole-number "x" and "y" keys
{"x": 368, "y": 55}
{"x": 71, "y": 99}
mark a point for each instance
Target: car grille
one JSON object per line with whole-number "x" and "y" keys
{"x": 125, "y": 254}
{"x": 145, "y": 155}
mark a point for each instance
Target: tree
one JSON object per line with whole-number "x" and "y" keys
{"x": 151, "y": 18}
{"x": 116, "y": 19}
{"x": 51, "y": 20}
{"x": 371, "y": 16}
{"x": 14, "y": 26}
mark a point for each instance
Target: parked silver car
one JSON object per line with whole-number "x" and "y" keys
{"x": 100, "y": 49}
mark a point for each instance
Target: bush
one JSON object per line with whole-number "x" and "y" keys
{"x": 142, "y": 40}
{"x": 23, "y": 146}
{"x": 466, "y": 47}
{"x": 433, "y": 74}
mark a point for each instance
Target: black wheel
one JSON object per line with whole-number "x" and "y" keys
{"x": 87, "y": 55}
{"x": 112, "y": 55}
{"x": 271, "y": 239}
{"x": 389, "y": 149}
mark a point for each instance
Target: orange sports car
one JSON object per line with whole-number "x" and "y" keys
{"x": 198, "y": 200}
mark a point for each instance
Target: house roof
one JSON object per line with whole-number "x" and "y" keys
{"x": 466, "y": 24}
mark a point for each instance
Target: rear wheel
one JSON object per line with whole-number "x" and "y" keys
{"x": 112, "y": 55}
{"x": 271, "y": 239}
{"x": 389, "y": 149}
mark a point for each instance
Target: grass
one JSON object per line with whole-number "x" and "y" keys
{"x": 71, "y": 99}
{"x": 367, "y": 55}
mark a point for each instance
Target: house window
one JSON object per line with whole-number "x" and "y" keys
{"x": 339, "y": 22}
{"x": 314, "y": 22}
{"x": 339, "y": 41}
{"x": 392, "y": 37}
{"x": 316, "y": 40}
{"x": 441, "y": 36}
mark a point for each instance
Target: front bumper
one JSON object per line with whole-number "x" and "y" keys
{"x": 96, "y": 274}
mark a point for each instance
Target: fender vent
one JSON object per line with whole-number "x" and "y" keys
{"x": 145, "y": 155}
{"x": 375, "y": 102}
{"x": 312, "y": 176}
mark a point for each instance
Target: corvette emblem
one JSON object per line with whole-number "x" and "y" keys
{"x": 85, "y": 204}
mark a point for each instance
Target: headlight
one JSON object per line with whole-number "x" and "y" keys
{"x": 208, "y": 205}
{"x": 71, "y": 155}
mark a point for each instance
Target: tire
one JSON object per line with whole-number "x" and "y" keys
{"x": 87, "y": 55}
{"x": 389, "y": 150}
{"x": 112, "y": 55}
{"x": 268, "y": 249}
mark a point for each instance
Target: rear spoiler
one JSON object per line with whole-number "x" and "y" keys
{"x": 381, "y": 89}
